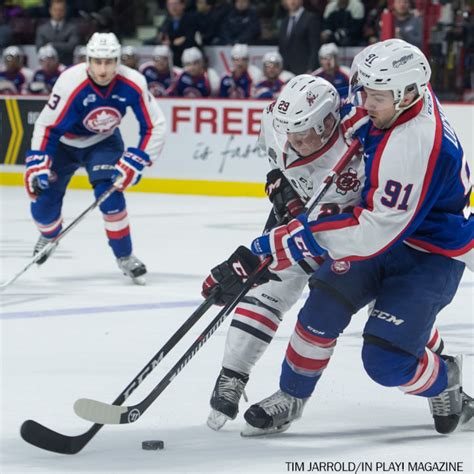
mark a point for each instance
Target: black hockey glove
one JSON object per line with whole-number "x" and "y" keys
{"x": 286, "y": 202}
{"x": 230, "y": 276}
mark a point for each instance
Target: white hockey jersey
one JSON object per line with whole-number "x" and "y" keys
{"x": 307, "y": 173}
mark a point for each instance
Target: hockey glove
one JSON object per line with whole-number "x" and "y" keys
{"x": 353, "y": 119}
{"x": 285, "y": 200}
{"x": 37, "y": 173}
{"x": 129, "y": 169}
{"x": 230, "y": 276}
{"x": 288, "y": 244}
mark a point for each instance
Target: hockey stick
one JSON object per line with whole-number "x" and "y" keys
{"x": 104, "y": 413}
{"x": 60, "y": 236}
{"x": 42, "y": 437}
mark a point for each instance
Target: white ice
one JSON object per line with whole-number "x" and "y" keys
{"x": 76, "y": 327}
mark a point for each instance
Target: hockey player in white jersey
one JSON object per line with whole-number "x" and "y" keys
{"x": 79, "y": 127}
{"x": 299, "y": 166}
{"x": 405, "y": 246}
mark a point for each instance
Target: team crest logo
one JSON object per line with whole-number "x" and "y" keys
{"x": 102, "y": 120}
{"x": 340, "y": 267}
{"x": 310, "y": 98}
{"x": 347, "y": 182}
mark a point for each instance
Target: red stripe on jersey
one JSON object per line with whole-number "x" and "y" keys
{"x": 305, "y": 362}
{"x": 409, "y": 114}
{"x": 118, "y": 234}
{"x": 63, "y": 112}
{"x": 439, "y": 250}
{"x": 257, "y": 317}
{"x": 146, "y": 138}
{"x": 316, "y": 340}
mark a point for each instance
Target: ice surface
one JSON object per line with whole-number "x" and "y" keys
{"x": 76, "y": 327}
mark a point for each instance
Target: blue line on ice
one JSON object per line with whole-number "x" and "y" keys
{"x": 123, "y": 308}
{"x": 98, "y": 309}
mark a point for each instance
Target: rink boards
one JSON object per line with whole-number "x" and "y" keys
{"x": 210, "y": 147}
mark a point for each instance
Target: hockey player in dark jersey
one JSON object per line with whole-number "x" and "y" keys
{"x": 50, "y": 69}
{"x": 79, "y": 127}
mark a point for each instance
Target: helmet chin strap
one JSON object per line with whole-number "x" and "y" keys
{"x": 400, "y": 110}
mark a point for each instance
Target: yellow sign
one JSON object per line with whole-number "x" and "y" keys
{"x": 17, "y": 131}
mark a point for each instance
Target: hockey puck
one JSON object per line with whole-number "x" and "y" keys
{"x": 153, "y": 445}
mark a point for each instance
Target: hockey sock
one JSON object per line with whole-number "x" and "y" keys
{"x": 116, "y": 222}
{"x": 306, "y": 357}
{"x": 252, "y": 328}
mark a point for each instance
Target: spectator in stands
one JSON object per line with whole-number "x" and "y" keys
{"x": 272, "y": 83}
{"x": 241, "y": 25}
{"x": 58, "y": 32}
{"x": 330, "y": 69}
{"x": 160, "y": 73}
{"x": 47, "y": 74}
{"x": 196, "y": 80}
{"x": 408, "y": 26}
{"x": 179, "y": 29}
{"x": 5, "y": 30}
{"x": 343, "y": 22}
{"x": 211, "y": 14}
{"x": 239, "y": 83}
{"x": 129, "y": 57}
{"x": 299, "y": 38}
{"x": 14, "y": 77}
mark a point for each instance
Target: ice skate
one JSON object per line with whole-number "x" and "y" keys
{"x": 133, "y": 268}
{"x": 452, "y": 406}
{"x": 40, "y": 244}
{"x": 229, "y": 387}
{"x": 273, "y": 414}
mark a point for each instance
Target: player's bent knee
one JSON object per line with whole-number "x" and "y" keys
{"x": 385, "y": 364}
{"x": 114, "y": 203}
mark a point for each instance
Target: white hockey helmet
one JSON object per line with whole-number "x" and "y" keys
{"x": 12, "y": 52}
{"x": 327, "y": 50}
{"x": 129, "y": 51}
{"x": 393, "y": 65}
{"x": 162, "y": 51}
{"x": 191, "y": 55}
{"x": 239, "y": 51}
{"x": 304, "y": 103}
{"x": 47, "y": 51}
{"x": 273, "y": 57}
{"x": 103, "y": 46}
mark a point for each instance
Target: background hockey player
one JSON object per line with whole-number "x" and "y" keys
{"x": 79, "y": 127}
{"x": 240, "y": 82}
{"x": 47, "y": 74}
{"x": 330, "y": 69}
{"x": 406, "y": 246}
{"x": 272, "y": 83}
{"x": 14, "y": 76}
{"x": 160, "y": 73}
{"x": 196, "y": 80}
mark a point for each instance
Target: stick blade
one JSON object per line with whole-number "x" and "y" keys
{"x": 99, "y": 412}
{"x": 42, "y": 437}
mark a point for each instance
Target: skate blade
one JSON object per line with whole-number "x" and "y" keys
{"x": 467, "y": 411}
{"x": 216, "y": 420}
{"x": 250, "y": 431}
{"x": 140, "y": 281}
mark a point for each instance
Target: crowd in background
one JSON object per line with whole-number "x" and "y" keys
{"x": 442, "y": 28}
